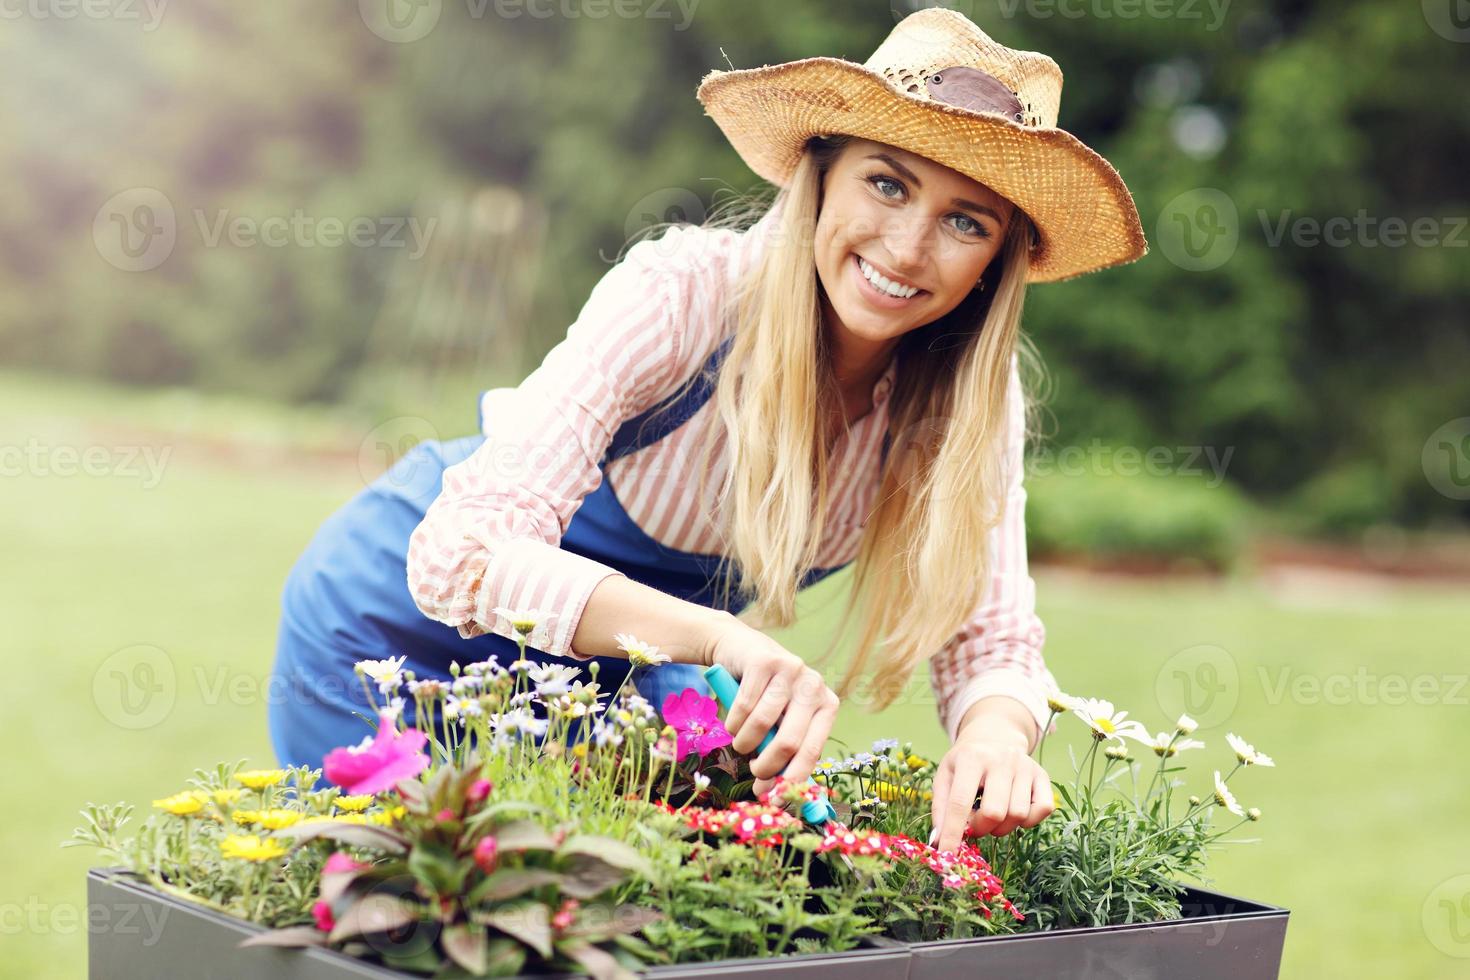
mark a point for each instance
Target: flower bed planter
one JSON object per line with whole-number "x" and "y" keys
{"x": 143, "y": 933}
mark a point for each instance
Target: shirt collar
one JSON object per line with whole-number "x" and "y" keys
{"x": 883, "y": 387}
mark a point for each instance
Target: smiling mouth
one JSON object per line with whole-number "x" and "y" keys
{"x": 880, "y": 290}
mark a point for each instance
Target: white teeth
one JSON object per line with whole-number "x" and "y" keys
{"x": 883, "y": 282}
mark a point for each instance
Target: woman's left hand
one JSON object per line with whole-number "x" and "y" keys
{"x": 989, "y": 754}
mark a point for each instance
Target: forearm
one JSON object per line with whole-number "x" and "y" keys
{"x": 685, "y": 631}
{"x": 1000, "y": 718}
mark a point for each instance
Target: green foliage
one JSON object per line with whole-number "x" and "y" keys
{"x": 1173, "y": 520}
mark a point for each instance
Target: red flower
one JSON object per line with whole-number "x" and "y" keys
{"x": 321, "y": 912}
{"x": 487, "y": 854}
{"x": 479, "y": 791}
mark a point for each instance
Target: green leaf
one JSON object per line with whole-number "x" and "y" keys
{"x": 373, "y": 913}
{"x": 625, "y": 919}
{"x": 357, "y": 834}
{"x": 530, "y": 922}
{"x": 468, "y": 945}
{"x": 524, "y": 835}
{"x": 608, "y": 850}
{"x": 505, "y": 957}
{"x": 510, "y": 883}
{"x": 438, "y": 868}
{"x": 598, "y": 963}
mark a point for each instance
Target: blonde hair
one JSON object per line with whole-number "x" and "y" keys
{"x": 942, "y": 488}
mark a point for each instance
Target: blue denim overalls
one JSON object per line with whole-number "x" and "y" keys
{"x": 347, "y": 599}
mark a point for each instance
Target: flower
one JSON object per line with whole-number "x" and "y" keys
{"x": 1225, "y": 798}
{"x": 225, "y": 797}
{"x": 888, "y": 792}
{"x": 478, "y": 792}
{"x": 696, "y": 720}
{"x": 884, "y": 744}
{"x": 340, "y": 863}
{"x": 487, "y": 853}
{"x": 640, "y": 654}
{"x": 1253, "y": 814}
{"x": 701, "y": 783}
{"x": 275, "y": 819}
{"x": 184, "y": 804}
{"x": 551, "y": 679}
{"x": 1185, "y": 725}
{"x": 563, "y": 918}
{"x": 1105, "y": 721}
{"x": 251, "y": 848}
{"x": 260, "y": 778}
{"x": 245, "y": 817}
{"x": 321, "y": 914}
{"x": 523, "y": 622}
{"x": 520, "y": 720}
{"x": 1164, "y": 744}
{"x": 388, "y": 674}
{"x": 1247, "y": 753}
{"x": 354, "y": 803}
{"x": 372, "y": 768}
{"x": 1117, "y": 752}
{"x": 1060, "y": 703}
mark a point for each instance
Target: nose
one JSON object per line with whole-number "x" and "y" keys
{"x": 907, "y": 241}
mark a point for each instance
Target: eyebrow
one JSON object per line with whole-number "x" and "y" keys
{"x": 958, "y": 202}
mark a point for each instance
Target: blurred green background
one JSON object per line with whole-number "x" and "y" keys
{"x": 251, "y": 253}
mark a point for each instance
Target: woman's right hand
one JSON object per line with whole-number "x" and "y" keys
{"x": 775, "y": 685}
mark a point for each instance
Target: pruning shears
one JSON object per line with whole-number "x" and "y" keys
{"x": 816, "y": 813}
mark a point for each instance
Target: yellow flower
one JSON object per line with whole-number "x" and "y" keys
{"x": 350, "y": 818}
{"x": 888, "y": 792}
{"x": 251, "y": 848}
{"x": 245, "y": 817}
{"x": 225, "y": 797}
{"x": 917, "y": 762}
{"x": 382, "y": 819}
{"x": 260, "y": 778}
{"x": 275, "y": 819}
{"x": 184, "y": 804}
{"x": 580, "y": 750}
{"x": 354, "y": 803}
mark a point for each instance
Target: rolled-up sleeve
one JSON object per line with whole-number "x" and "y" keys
{"x": 998, "y": 650}
{"x": 491, "y": 539}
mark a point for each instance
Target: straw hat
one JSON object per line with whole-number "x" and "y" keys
{"x": 940, "y": 87}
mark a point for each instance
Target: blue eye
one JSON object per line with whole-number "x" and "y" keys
{"x": 879, "y": 180}
{"x": 979, "y": 229}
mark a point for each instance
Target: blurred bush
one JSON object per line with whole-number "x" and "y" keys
{"x": 1142, "y": 519}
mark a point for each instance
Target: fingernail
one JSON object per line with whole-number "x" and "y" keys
{"x": 933, "y": 836}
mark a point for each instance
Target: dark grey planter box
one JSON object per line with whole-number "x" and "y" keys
{"x": 136, "y": 932}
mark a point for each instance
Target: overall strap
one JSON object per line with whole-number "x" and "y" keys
{"x": 653, "y": 424}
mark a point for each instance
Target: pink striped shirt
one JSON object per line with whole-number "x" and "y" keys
{"x": 492, "y": 537}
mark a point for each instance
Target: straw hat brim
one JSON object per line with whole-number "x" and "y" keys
{"x": 1084, "y": 213}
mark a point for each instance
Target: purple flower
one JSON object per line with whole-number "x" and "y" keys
{"x": 696, "y": 719}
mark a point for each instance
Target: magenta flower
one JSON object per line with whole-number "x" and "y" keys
{"x": 696, "y": 719}
{"x": 378, "y": 764}
{"x": 340, "y": 863}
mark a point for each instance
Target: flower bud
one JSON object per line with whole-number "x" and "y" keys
{"x": 479, "y": 791}
{"x": 487, "y": 854}
{"x": 1253, "y": 814}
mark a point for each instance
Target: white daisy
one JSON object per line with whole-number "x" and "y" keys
{"x": 1160, "y": 743}
{"x": 553, "y": 679}
{"x": 1247, "y": 753}
{"x": 1185, "y": 725}
{"x": 522, "y": 621}
{"x": 1106, "y": 722}
{"x": 519, "y": 720}
{"x": 1060, "y": 703}
{"x": 388, "y": 674}
{"x": 640, "y": 654}
{"x": 1225, "y": 798}
{"x": 882, "y": 745}
{"x": 701, "y": 782}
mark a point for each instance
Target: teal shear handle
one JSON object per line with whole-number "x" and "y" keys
{"x": 818, "y": 813}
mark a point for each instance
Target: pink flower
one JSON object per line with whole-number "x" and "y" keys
{"x": 697, "y": 721}
{"x": 322, "y": 913}
{"x": 340, "y": 862}
{"x": 479, "y": 791}
{"x": 377, "y": 765}
{"x": 487, "y": 854}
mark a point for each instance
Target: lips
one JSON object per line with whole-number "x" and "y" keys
{"x": 876, "y": 296}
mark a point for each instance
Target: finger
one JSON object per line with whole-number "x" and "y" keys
{"x": 790, "y": 736}
{"x": 1043, "y": 800}
{"x": 968, "y": 774}
{"x": 1022, "y": 787}
{"x": 763, "y": 716}
{"x": 939, "y": 790}
{"x": 752, "y": 685}
{"x": 799, "y": 769}
{"x": 995, "y": 800}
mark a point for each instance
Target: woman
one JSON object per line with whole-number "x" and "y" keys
{"x": 735, "y": 415}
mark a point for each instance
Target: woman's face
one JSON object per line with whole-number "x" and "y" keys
{"x": 927, "y": 229}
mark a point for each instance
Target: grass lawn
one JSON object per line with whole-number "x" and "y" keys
{"x": 1355, "y": 694}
